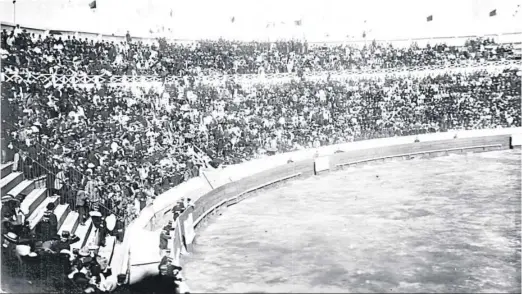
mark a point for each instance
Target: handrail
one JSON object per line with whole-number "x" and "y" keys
{"x": 75, "y": 168}
{"x": 36, "y": 143}
{"x": 65, "y": 183}
{"x": 418, "y": 153}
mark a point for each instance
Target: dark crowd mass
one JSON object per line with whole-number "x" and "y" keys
{"x": 109, "y": 150}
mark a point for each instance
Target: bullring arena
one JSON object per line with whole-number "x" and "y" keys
{"x": 446, "y": 224}
{"x": 277, "y": 147}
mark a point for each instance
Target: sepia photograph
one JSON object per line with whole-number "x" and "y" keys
{"x": 261, "y": 146}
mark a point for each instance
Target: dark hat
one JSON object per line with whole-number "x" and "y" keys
{"x": 66, "y": 234}
{"x": 50, "y": 206}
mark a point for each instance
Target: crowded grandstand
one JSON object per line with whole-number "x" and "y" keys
{"x": 94, "y": 129}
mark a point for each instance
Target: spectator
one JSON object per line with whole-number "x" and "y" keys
{"x": 82, "y": 206}
{"x": 164, "y": 240}
{"x": 47, "y": 228}
{"x": 65, "y": 242}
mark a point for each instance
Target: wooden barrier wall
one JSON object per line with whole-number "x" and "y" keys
{"x": 231, "y": 193}
{"x": 210, "y": 201}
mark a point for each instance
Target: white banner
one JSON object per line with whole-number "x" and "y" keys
{"x": 188, "y": 224}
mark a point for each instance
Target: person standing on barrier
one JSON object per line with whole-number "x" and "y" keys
{"x": 164, "y": 240}
{"x": 165, "y": 257}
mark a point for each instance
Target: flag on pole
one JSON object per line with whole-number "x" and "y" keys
{"x": 298, "y": 22}
{"x": 493, "y": 12}
{"x": 232, "y": 19}
{"x": 171, "y": 12}
{"x": 429, "y": 18}
{"x": 92, "y": 5}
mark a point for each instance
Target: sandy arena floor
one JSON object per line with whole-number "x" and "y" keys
{"x": 448, "y": 224}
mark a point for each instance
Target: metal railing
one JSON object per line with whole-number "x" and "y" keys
{"x": 36, "y": 162}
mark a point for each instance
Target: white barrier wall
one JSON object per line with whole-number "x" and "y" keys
{"x": 142, "y": 236}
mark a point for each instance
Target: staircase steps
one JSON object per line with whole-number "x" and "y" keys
{"x": 61, "y": 212}
{"x": 35, "y": 197}
{"x": 91, "y": 238}
{"x": 71, "y": 223}
{"x": 22, "y": 190}
{"x": 10, "y": 181}
{"x": 83, "y": 232}
{"x": 7, "y": 168}
{"x": 33, "y": 200}
{"x": 108, "y": 250}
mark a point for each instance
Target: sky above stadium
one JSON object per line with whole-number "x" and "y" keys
{"x": 271, "y": 19}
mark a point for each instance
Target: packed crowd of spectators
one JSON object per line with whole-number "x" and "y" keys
{"x": 128, "y": 144}
{"x": 46, "y": 53}
{"x": 110, "y": 150}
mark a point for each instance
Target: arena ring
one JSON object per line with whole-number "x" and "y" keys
{"x": 215, "y": 190}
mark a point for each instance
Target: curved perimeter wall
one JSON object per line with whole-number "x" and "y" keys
{"x": 217, "y": 189}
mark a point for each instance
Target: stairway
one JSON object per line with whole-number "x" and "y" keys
{"x": 35, "y": 199}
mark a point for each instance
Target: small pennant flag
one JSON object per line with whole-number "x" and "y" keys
{"x": 493, "y": 12}
{"x": 298, "y": 22}
{"x": 171, "y": 12}
{"x": 92, "y": 5}
{"x": 429, "y": 18}
{"x": 233, "y": 19}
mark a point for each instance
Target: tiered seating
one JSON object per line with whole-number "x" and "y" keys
{"x": 35, "y": 200}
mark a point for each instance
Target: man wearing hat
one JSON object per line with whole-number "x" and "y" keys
{"x": 82, "y": 206}
{"x": 165, "y": 257}
{"x": 164, "y": 240}
{"x": 47, "y": 228}
{"x": 99, "y": 224}
{"x": 177, "y": 209}
{"x": 168, "y": 276}
{"x": 65, "y": 241}
{"x": 13, "y": 217}
{"x": 169, "y": 226}
{"x": 90, "y": 188}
